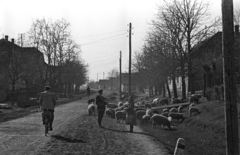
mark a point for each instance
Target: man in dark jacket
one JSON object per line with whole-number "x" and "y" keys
{"x": 101, "y": 106}
{"x": 88, "y": 91}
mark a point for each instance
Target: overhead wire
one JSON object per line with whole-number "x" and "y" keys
{"x": 101, "y": 34}
{"x": 101, "y": 39}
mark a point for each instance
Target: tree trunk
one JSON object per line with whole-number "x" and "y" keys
{"x": 156, "y": 90}
{"x": 169, "y": 92}
{"x": 204, "y": 84}
{"x": 12, "y": 93}
{"x": 160, "y": 88}
{"x": 164, "y": 90}
{"x": 174, "y": 87}
{"x": 183, "y": 87}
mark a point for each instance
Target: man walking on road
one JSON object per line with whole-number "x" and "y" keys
{"x": 88, "y": 91}
{"x": 47, "y": 103}
{"x": 101, "y": 106}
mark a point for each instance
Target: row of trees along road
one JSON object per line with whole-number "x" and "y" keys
{"x": 178, "y": 27}
{"x": 65, "y": 70}
{"x": 62, "y": 68}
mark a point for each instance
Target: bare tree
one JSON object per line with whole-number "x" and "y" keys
{"x": 54, "y": 39}
{"x": 187, "y": 24}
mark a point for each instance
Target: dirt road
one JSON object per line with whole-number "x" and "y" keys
{"x": 74, "y": 132}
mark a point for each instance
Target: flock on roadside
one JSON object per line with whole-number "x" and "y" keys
{"x": 147, "y": 114}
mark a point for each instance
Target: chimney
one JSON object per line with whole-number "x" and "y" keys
{"x": 237, "y": 29}
{"x": 12, "y": 40}
{"x": 6, "y": 37}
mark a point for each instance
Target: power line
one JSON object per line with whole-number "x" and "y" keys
{"x": 100, "y": 62}
{"x": 102, "y": 39}
{"x": 104, "y": 64}
{"x": 106, "y": 58}
{"x": 102, "y": 34}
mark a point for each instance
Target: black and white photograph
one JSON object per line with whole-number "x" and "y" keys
{"x": 119, "y": 77}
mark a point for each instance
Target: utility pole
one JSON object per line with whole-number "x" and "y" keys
{"x": 120, "y": 76}
{"x": 229, "y": 79}
{"x": 103, "y": 75}
{"x": 130, "y": 48}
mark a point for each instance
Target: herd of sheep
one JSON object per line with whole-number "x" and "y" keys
{"x": 146, "y": 114}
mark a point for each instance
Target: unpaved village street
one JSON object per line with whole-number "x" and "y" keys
{"x": 74, "y": 132}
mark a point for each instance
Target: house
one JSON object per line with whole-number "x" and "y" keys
{"x": 23, "y": 67}
{"x": 113, "y": 83}
{"x": 208, "y": 61}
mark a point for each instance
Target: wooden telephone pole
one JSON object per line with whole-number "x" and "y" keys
{"x": 130, "y": 48}
{"x": 120, "y": 75}
{"x": 229, "y": 79}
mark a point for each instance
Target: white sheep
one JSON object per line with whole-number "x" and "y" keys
{"x": 91, "y": 109}
{"x": 157, "y": 119}
{"x": 193, "y": 110}
{"x": 173, "y": 110}
{"x": 180, "y": 109}
{"x": 156, "y": 101}
{"x": 165, "y": 114}
{"x": 176, "y": 116}
{"x": 121, "y": 116}
{"x": 149, "y": 112}
{"x": 120, "y": 104}
{"x": 165, "y": 110}
{"x": 147, "y": 105}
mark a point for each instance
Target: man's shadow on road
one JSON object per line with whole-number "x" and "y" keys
{"x": 68, "y": 139}
{"x": 144, "y": 133}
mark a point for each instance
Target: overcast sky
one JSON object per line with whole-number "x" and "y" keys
{"x": 99, "y": 26}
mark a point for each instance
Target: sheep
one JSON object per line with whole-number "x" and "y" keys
{"x": 145, "y": 119}
{"x": 175, "y": 101}
{"x": 193, "y": 110}
{"x": 194, "y": 99}
{"x": 160, "y": 120}
{"x": 165, "y": 110}
{"x": 176, "y": 116}
{"x": 173, "y": 110}
{"x": 120, "y": 104}
{"x": 109, "y": 105}
{"x": 137, "y": 109}
{"x": 91, "y": 101}
{"x": 149, "y": 112}
{"x": 180, "y": 109}
{"x": 140, "y": 113}
{"x": 155, "y": 112}
{"x": 112, "y": 110}
{"x": 156, "y": 101}
{"x": 147, "y": 105}
{"x": 121, "y": 116}
{"x": 163, "y": 101}
{"x": 110, "y": 113}
{"x": 165, "y": 114}
{"x": 153, "y": 104}
{"x": 91, "y": 109}
{"x": 126, "y": 104}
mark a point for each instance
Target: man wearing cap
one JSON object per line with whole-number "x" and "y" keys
{"x": 47, "y": 102}
{"x": 101, "y": 106}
